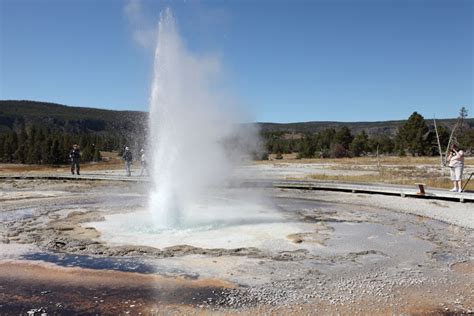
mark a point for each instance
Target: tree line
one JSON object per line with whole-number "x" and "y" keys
{"x": 36, "y": 145}
{"x": 414, "y": 138}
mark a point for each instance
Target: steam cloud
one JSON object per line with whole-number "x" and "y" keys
{"x": 195, "y": 136}
{"x": 144, "y": 32}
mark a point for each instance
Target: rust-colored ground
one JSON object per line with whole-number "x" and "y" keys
{"x": 25, "y": 286}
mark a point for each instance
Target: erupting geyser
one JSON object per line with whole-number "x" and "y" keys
{"x": 190, "y": 131}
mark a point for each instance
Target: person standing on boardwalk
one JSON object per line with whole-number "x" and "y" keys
{"x": 75, "y": 156}
{"x": 128, "y": 158}
{"x": 143, "y": 162}
{"x": 456, "y": 166}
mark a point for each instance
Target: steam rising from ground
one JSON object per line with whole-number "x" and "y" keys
{"x": 195, "y": 137}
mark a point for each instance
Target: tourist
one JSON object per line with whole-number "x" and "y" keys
{"x": 456, "y": 165}
{"x": 143, "y": 163}
{"x": 75, "y": 156}
{"x": 128, "y": 157}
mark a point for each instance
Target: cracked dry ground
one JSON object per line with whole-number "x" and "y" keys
{"x": 356, "y": 259}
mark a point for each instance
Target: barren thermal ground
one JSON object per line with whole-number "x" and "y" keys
{"x": 90, "y": 247}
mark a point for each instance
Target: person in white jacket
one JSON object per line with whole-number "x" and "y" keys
{"x": 456, "y": 166}
{"x": 143, "y": 162}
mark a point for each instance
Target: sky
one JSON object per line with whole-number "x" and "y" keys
{"x": 284, "y": 60}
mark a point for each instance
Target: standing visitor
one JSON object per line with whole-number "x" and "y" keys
{"x": 75, "y": 156}
{"x": 456, "y": 166}
{"x": 127, "y": 157}
{"x": 143, "y": 163}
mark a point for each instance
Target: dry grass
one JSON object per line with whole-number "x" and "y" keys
{"x": 110, "y": 161}
{"x": 389, "y": 170}
{"x": 384, "y": 160}
{"x": 386, "y": 169}
{"x": 406, "y": 176}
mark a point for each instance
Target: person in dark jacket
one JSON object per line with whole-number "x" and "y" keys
{"x": 75, "y": 156}
{"x": 128, "y": 158}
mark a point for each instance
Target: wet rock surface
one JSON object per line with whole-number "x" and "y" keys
{"x": 358, "y": 257}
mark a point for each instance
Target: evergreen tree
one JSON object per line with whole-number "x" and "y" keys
{"x": 343, "y": 137}
{"x": 37, "y": 153}
{"x": 97, "y": 156}
{"x": 414, "y": 136}
{"x": 466, "y": 140}
{"x": 32, "y": 138}
{"x": 443, "y": 134}
{"x": 307, "y": 147}
{"x": 465, "y": 133}
{"x": 384, "y": 143}
{"x": 46, "y": 153}
{"x": 22, "y": 149}
{"x": 84, "y": 141}
{"x": 462, "y": 116}
{"x": 56, "y": 156}
{"x": 360, "y": 144}
{"x": 10, "y": 146}
{"x": 87, "y": 153}
{"x": 338, "y": 151}
{"x": 65, "y": 145}
{"x": 2, "y": 144}
{"x": 325, "y": 139}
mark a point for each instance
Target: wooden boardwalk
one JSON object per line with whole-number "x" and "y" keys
{"x": 385, "y": 189}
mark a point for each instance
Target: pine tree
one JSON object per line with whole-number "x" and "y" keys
{"x": 414, "y": 136}
{"x": 87, "y": 153}
{"x": 444, "y": 134}
{"x": 383, "y": 142}
{"x": 462, "y": 116}
{"x": 46, "y": 153}
{"x": 2, "y": 144}
{"x": 343, "y": 137}
{"x": 65, "y": 146}
{"x": 325, "y": 139}
{"x": 360, "y": 144}
{"x": 307, "y": 147}
{"x": 30, "y": 156}
{"x": 22, "y": 149}
{"x": 10, "y": 146}
{"x": 97, "y": 156}
{"x": 55, "y": 154}
{"x": 338, "y": 151}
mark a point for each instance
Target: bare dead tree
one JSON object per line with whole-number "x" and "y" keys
{"x": 379, "y": 166}
{"x": 441, "y": 161}
{"x": 459, "y": 125}
{"x": 452, "y": 140}
{"x": 462, "y": 116}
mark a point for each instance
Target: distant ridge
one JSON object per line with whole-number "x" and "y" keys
{"x": 15, "y": 113}
{"x": 388, "y": 128}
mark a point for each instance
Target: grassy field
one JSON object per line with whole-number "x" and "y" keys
{"x": 110, "y": 161}
{"x": 384, "y": 160}
{"x": 389, "y": 170}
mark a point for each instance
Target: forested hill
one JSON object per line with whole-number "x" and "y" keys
{"x": 387, "y": 128}
{"x": 43, "y": 133}
{"x": 16, "y": 114}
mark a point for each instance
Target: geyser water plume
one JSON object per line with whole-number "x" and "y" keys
{"x": 189, "y": 130}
